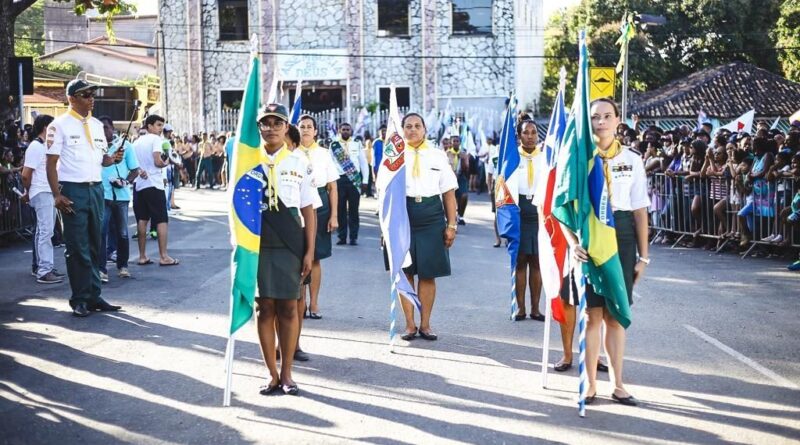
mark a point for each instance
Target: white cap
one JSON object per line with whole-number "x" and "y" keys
{"x": 167, "y": 127}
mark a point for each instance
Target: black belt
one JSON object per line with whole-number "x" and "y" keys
{"x": 84, "y": 184}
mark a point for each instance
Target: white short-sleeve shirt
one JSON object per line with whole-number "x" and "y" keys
{"x": 36, "y": 160}
{"x": 628, "y": 181}
{"x": 322, "y": 165}
{"x": 144, "y": 147}
{"x": 436, "y": 175}
{"x": 540, "y": 170}
{"x": 80, "y": 155}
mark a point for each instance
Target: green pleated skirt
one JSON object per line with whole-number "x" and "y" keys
{"x": 429, "y": 257}
{"x": 323, "y": 248}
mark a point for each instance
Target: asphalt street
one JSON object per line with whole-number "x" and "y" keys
{"x": 712, "y": 354}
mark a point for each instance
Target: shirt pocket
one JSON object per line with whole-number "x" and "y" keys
{"x": 290, "y": 190}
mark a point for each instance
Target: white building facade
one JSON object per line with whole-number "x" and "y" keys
{"x": 468, "y": 53}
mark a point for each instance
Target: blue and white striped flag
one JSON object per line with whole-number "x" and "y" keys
{"x": 393, "y": 215}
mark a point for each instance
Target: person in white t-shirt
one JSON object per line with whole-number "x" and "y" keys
{"x": 34, "y": 179}
{"x": 149, "y": 199}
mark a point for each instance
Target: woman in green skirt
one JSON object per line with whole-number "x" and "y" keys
{"x": 625, "y": 175}
{"x": 431, "y": 205}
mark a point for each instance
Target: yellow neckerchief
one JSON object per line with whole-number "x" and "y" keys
{"x": 307, "y": 150}
{"x": 415, "y": 171}
{"x": 85, "y": 122}
{"x": 272, "y": 174}
{"x": 529, "y": 157}
{"x": 455, "y": 153}
{"x": 613, "y": 150}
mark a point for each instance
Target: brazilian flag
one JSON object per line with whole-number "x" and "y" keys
{"x": 581, "y": 200}
{"x": 245, "y": 215}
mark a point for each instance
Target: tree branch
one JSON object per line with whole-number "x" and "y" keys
{"x": 19, "y": 6}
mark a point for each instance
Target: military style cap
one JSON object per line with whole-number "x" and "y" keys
{"x": 276, "y": 110}
{"x": 79, "y": 85}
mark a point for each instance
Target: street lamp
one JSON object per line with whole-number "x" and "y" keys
{"x": 644, "y": 20}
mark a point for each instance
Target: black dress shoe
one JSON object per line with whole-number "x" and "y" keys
{"x": 539, "y": 317}
{"x": 291, "y": 390}
{"x": 300, "y": 356}
{"x": 269, "y": 389}
{"x": 562, "y": 367}
{"x": 408, "y": 336}
{"x": 428, "y": 336}
{"x": 627, "y": 401}
{"x": 520, "y": 317}
{"x": 353, "y": 242}
{"x": 590, "y": 399}
{"x": 341, "y": 242}
{"x": 602, "y": 367}
{"x": 80, "y": 310}
{"x": 104, "y": 306}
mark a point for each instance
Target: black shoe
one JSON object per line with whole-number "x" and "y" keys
{"x": 269, "y": 389}
{"x": 627, "y": 401}
{"x": 353, "y": 242}
{"x": 300, "y": 356}
{"x": 430, "y": 336}
{"x": 590, "y": 399}
{"x": 291, "y": 390}
{"x": 539, "y": 317}
{"x": 602, "y": 367}
{"x": 520, "y": 317}
{"x": 80, "y": 310}
{"x": 562, "y": 367}
{"x": 408, "y": 336}
{"x": 341, "y": 242}
{"x": 103, "y": 306}
{"x": 461, "y": 222}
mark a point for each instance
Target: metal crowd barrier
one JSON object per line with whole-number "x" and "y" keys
{"x": 15, "y": 217}
{"x": 709, "y": 208}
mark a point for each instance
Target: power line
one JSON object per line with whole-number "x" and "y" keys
{"x": 385, "y": 56}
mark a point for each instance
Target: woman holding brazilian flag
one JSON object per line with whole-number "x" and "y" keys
{"x": 601, "y": 201}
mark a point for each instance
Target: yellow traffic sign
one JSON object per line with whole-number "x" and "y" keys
{"x": 601, "y": 82}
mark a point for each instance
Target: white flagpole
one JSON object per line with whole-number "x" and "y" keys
{"x": 548, "y": 316}
{"x": 226, "y": 400}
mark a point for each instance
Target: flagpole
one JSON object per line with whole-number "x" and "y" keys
{"x": 583, "y": 382}
{"x": 548, "y": 315}
{"x": 392, "y": 316}
{"x": 229, "y": 350}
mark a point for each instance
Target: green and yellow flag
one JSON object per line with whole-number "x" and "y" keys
{"x": 627, "y": 33}
{"x": 581, "y": 201}
{"x": 245, "y": 215}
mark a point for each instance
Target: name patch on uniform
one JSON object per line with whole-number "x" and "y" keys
{"x": 622, "y": 168}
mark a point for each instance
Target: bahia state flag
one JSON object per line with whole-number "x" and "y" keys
{"x": 245, "y": 215}
{"x": 581, "y": 200}
{"x": 552, "y": 243}
{"x": 506, "y": 186}
{"x": 392, "y": 212}
{"x": 294, "y": 116}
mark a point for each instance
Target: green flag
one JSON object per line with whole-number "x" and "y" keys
{"x": 581, "y": 200}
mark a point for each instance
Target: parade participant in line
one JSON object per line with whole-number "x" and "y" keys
{"x": 532, "y": 168}
{"x": 431, "y": 204}
{"x": 324, "y": 177}
{"x": 205, "y": 149}
{"x": 287, "y": 245}
{"x": 625, "y": 175}
{"x": 76, "y": 152}
{"x": 459, "y": 163}
{"x": 351, "y": 165}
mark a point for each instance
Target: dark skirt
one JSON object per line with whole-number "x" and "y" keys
{"x": 322, "y": 247}
{"x": 626, "y": 246}
{"x": 429, "y": 257}
{"x": 528, "y": 227}
{"x": 278, "y": 267}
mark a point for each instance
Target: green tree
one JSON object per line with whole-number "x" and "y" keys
{"x": 698, "y": 34}
{"x": 787, "y": 35}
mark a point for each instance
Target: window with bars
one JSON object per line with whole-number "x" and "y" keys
{"x": 233, "y": 19}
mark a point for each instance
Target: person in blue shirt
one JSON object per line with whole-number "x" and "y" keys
{"x": 229, "y": 155}
{"x": 377, "y": 147}
{"x": 117, "y": 196}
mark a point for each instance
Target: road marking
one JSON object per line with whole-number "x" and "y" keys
{"x": 738, "y": 356}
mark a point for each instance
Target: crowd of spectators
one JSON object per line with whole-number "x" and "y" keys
{"x": 722, "y": 189}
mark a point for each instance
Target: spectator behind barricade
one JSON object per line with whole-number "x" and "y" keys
{"x": 718, "y": 191}
{"x": 791, "y": 215}
{"x": 792, "y": 143}
{"x": 745, "y": 141}
{"x": 697, "y": 154}
{"x": 780, "y": 175}
{"x": 7, "y": 166}
{"x": 762, "y": 203}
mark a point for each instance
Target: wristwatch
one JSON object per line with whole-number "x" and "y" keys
{"x": 644, "y": 260}
{"x": 453, "y": 226}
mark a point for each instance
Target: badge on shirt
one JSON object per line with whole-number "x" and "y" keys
{"x": 51, "y": 135}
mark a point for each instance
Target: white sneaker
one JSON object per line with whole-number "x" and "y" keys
{"x": 123, "y": 273}
{"x": 103, "y": 277}
{"x": 777, "y": 239}
{"x": 768, "y": 239}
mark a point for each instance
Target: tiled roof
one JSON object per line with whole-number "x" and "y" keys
{"x": 724, "y": 91}
{"x": 103, "y": 46}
